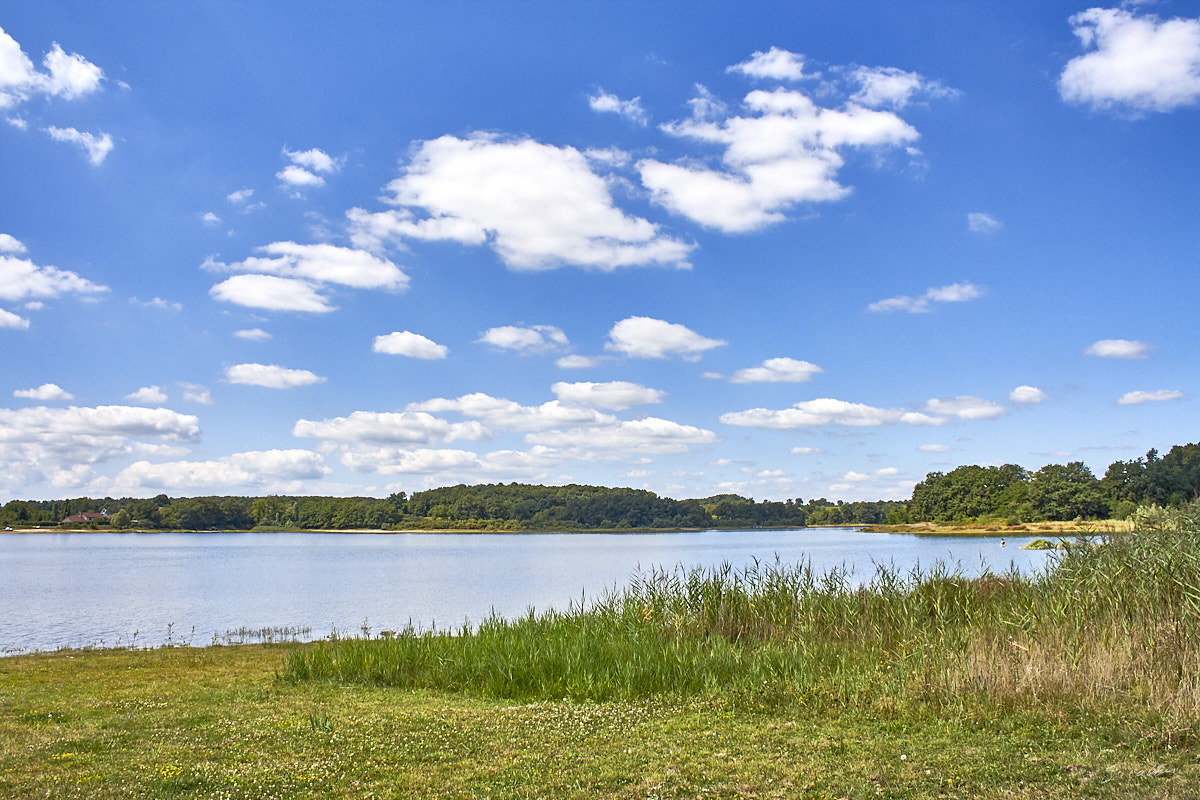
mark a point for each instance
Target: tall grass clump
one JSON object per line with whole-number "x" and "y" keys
{"x": 1109, "y": 620}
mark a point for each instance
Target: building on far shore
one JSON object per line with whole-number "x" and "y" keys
{"x": 87, "y": 516}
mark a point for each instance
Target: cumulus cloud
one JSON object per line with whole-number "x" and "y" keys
{"x": 271, "y": 376}
{"x": 1027, "y": 395}
{"x": 826, "y": 411}
{"x": 153, "y": 395}
{"x": 1119, "y": 348}
{"x": 266, "y": 470}
{"x": 777, "y": 370}
{"x": 96, "y": 148}
{"x": 538, "y": 206}
{"x": 606, "y": 103}
{"x": 302, "y": 172}
{"x": 47, "y": 391}
{"x": 252, "y": 335}
{"x": 934, "y": 448}
{"x": 613, "y": 395}
{"x": 209, "y": 218}
{"x": 388, "y": 428}
{"x": 195, "y": 393}
{"x": 525, "y": 338}
{"x": 407, "y": 343}
{"x": 1137, "y": 398}
{"x": 501, "y": 414}
{"x": 577, "y": 361}
{"x": 805, "y": 451}
{"x": 964, "y": 407}
{"x": 42, "y": 443}
{"x": 651, "y": 435}
{"x": 65, "y": 75}
{"x": 893, "y": 87}
{"x": 23, "y": 280}
{"x": 291, "y": 276}
{"x": 240, "y": 197}
{"x": 784, "y": 151}
{"x": 954, "y": 293}
{"x": 774, "y": 64}
{"x": 979, "y": 222}
{"x": 1137, "y": 63}
{"x": 272, "y": 294}
{"x": 13, "y": 321}
{"x": 645, "y": 337}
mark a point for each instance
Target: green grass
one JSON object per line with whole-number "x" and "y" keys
{"x": 766, "y": 682}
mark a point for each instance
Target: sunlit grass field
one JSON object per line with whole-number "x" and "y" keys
{"x": 772, "y": 681}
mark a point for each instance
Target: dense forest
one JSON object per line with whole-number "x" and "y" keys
{"x": 1006, "y": 493}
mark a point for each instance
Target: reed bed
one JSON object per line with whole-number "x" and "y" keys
{"x": 1111, "y": 620}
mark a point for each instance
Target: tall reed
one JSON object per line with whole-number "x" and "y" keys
{"x": 1114, "y": 619}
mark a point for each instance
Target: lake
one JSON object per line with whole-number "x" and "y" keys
{"x": 106, "y": 589}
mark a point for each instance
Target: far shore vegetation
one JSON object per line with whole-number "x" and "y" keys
{"x": 769, "y": 681}
{"x": 994, "y": 500}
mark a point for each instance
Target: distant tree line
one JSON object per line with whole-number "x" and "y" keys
{"x": 1009, "y": 492}
{"x": 1056, "y": 491}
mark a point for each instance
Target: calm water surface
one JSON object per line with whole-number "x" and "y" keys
{"x": 83, "y": 589}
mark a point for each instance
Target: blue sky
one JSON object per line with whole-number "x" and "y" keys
{"x": 784, "y": 250}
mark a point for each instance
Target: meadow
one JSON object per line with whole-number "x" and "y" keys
{"x": 768, "y": 681}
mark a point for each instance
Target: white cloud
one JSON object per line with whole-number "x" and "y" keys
{"x": 67, "y": 75}
{"x": 11, "y": 321}
{"x": 399, "y": 461}
{"x": 297, "y": 176}
{"x": 261, "y": 470}
{"x": 934, "y": 448}
{"x": 153, "y": 395}
{"x": 1139, "y": 63}
{"x": 252, "y": 335}
{"x": 805, "y": 451}
{"x": 21, "y": 279}
{"x": 388, "y": 428}
{"x": 70, "y": 74}
{"x": 271, "y": 293}
{"x": 954, "y": 293}
{"x": 785, "y": 151}
{"x": 195, "y": 393}
{"x": 1137, "y": 398}
{"x": 538, "y": 206}
{"x": 209, "y": 218}
{"x": 314, "y": 159}
{"x": 1119, "y": 348}
{"x": 407, "y": 343}
{"x": 159, "y": 303}
{"x": 10, "y": 244}
{"x": 290, "y": 276}
{"x": 775, "y": 64}
{"x": 1027, "y": 395}
{"x": 47, "y": 391}
{"x": 240, "y": 197}
{"x": 607, "y": 103}
{"x": 644, "y": 337}
{"x": 499, "y": 413}
{"x": 979, "y": 222}
{"x": 577, "y": 362}
{"x": 95, "y": 147}
{"x": 860, "y": 477}
{"x": 826, "y": 411}
{"x": 614, "y": 395}
{"x": 777, "y": 370}
{"x": 271, "y": 376}
{"x": 525, "y": 338}
{"x": 650, "y": 435}
{"x": 42, "y": 443}
{"x": 964, "y": 407}
{"x": 890, "y": 86}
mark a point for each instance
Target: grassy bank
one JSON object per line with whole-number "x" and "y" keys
{"x": 767, "y": 682}
{"x": 1068, "y": 529}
